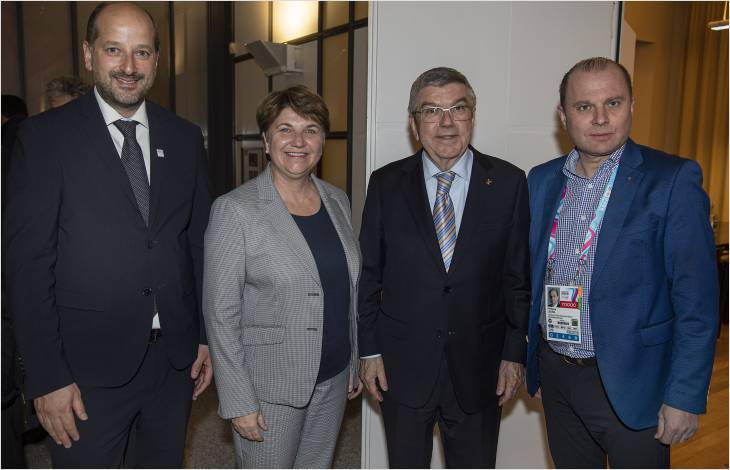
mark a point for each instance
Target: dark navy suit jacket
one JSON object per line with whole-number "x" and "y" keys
{"x": 414, "y": 313}
{"x": 81, "y": 266}
{"x": 654, "y": 290}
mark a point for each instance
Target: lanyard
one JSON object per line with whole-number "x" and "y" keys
{"x": 592, "y": 227}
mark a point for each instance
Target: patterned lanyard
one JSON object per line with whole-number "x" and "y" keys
{"x": 592, "y": 227}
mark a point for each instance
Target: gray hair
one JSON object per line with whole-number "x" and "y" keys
{"x": 71, "y": 86}
{"x": 439, "y": 76}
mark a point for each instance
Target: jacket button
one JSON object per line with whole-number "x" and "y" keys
{"x": 452, "y": 333}
{"x": 447, "y": 289}
{"x": 438, "y": 334}
{"x": 151, "y": 244}
{"x": 146, "y": 291}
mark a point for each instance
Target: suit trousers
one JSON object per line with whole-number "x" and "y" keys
{"x": 13, "y": 453}
{"x": 298, "y": 437}
{"x": 469, "y": 440}
{"x": 154, "y": 405}
{"x": 583, "y": 430}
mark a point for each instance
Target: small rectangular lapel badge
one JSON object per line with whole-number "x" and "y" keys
{"x": 160, "y": 153}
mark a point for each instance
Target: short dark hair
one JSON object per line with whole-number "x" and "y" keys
{"x": 300, "y": 99}
{"x": 13, "y": 106}
{"x": 71, "y": 86}
{"x": 439, "y": 76}
{"x": 593, "y": 64}
{"x": 92, "y": 33}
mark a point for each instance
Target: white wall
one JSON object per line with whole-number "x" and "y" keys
{"x": 514, "y": 55}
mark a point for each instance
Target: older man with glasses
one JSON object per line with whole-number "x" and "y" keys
{"x": 444, "y": 292}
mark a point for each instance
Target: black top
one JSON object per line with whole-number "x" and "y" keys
{"x": 335, "y": 278}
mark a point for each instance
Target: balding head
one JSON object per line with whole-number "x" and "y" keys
{"x": 92, "y": 32}
{"x": 122, "y": 55}
{"x": 593, "y": 64}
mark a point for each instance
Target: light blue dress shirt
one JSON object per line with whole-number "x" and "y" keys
{"x": 459, "y": 187}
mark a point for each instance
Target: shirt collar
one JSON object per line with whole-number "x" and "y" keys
{"x": 111, "y": 115}
{"x": 461, "y": 167}
{"x": 572, "y": 160}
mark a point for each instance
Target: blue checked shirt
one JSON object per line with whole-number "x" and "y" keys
{"x": 580, "y": 205}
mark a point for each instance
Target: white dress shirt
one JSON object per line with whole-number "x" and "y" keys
{"x": 111, "y": 115}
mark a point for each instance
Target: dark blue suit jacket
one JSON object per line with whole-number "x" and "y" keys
{"x": 80, "y": 264}
{"x": 414, "y": 313}
{"x": 654, "y": 291}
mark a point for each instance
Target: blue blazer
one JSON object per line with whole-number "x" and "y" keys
{"x": 654, "y": 290}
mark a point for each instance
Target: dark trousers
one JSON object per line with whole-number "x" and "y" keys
{"x": 154, "y": 405}
{"x": 470, "y": 440}
{"x": 13, "y": 453}
{"x": 582, "y": 428}
{"x": 13, "y": 421}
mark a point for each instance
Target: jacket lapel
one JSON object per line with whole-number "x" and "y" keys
{"x": 551, "y": 198}
{"x": 102, "y": 147}
{"x": 283, "y": 223}
{"x": 157, "y": 164}
{"x": 478, "y": 199}
{"x": 342, "y": 226}
{"x": 622, "y": 195}
{"x": 414, "y": 189}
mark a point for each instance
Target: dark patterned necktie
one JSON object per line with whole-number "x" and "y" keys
{"x": 133, "y": 162}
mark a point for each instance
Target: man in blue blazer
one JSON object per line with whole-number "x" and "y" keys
{"x": 621, "y": 233}
{"x": 103, "y": 245}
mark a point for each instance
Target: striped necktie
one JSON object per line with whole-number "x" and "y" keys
{"x": 133, "y": 162}
{"x": 443, "y": 217}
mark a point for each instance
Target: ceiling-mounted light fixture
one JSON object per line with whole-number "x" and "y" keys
{"x": 274, "y": 58}
{"x": 720, "y": 24}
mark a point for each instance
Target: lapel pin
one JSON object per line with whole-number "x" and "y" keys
{"x": 160, "y": 153}
{"x": 630, "y": 178}
{"x": 488, "y": 181}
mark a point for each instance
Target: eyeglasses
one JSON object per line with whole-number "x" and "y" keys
{"x": 458, "y": 112}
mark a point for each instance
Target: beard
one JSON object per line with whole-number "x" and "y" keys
{"x": 117, "y": 97}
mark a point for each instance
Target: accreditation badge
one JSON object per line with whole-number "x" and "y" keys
{"x": 562, "y": 313}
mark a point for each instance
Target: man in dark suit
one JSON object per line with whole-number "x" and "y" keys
{"x": 103, "y": 258}
{"x": 14, "y": 111}
{"x": 444, "y": 292}
{"x": 622, "y": 231}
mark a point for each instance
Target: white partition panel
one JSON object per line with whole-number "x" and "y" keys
{"x": 514, "y": 55}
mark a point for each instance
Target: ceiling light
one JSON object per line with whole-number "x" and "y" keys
{"x": 719, "y": 25}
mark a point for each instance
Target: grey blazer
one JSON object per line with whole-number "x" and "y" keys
{"x": 262, "y": 297}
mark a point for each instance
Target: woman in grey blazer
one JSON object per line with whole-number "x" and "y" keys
{"x": 279, "y": 296}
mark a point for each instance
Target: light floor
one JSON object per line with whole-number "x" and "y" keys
{"x": 709, "y": 447}
{"x": 210, "y": 443}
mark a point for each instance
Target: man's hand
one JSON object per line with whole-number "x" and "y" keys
{"x": 202, "y": 371}
{"x": 56, "y": 413}
{"x": 675, "y": 426}
{"x": 248, "y": 426}
{"x": 353, "y": 389}
{"x": 511, "y": 378}
{"x": 370, "y": 370}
